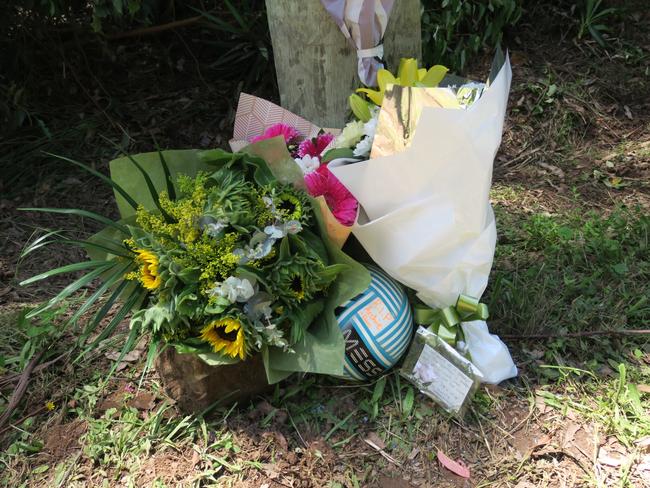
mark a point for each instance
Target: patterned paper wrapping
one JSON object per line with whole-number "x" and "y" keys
{"x": 254, "y": 115}
{"x": 363, "y": 23}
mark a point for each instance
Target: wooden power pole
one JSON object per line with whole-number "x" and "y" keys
{"x": 316, "y": 65}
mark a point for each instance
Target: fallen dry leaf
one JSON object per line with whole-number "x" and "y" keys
{"x": 456, "y": 467}
{"x": 569, "y": 433}
{"x": 143, "y": 401}
{"x": 413, "y": 454}
{"x": 129, "y": 357}
{"x": 610, "y": 460}
{"x": 644, "y": 442}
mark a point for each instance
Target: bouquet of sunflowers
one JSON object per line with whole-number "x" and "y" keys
{"x": 219, "y": 255}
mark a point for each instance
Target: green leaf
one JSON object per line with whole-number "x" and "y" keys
{"x": 360, "y": 108}
{"x": 134, "y": 335}
{"x": 153, "y": 192}
{"x": 81, "y": 213}
{"x": 108, "y": 282}
{"x": 101, "y": 176}
{"x": 68, "y": 268}
{"x": 38, "y": 243}
{"x": 336, "y": 153}
{"x": 70, "y": 289}
{"x": 407, "y": 403}
{"x": 434, "y": 76}
{"x": 124, "y": 174}
{"x": 171, "y": 191}
{"x": 378, "y": 392}
{"x": 106, "y": 307}
{"x": 136, "y": 297}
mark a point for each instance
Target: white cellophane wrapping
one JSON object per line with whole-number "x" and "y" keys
{"x": 426, "y": 218}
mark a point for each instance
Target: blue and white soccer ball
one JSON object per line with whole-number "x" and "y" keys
{"x": 377, "y": 326}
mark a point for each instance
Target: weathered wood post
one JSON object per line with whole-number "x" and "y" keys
{"x": 315, "y": 64}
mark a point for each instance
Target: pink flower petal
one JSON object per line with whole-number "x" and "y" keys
{"x": 454, "y": 466}
{"x": 339, "y": 200}
{"x": 289, "y": 133}
{"x": 315, "y": 146}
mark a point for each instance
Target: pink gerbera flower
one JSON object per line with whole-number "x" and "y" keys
{"x": 315, "y": 146}
{"x": 289, "y": 133}
{"x": 339, "y": 200}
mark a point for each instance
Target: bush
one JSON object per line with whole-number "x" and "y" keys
{"x": 454, "y": 30}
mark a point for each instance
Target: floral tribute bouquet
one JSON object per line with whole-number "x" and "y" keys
{"x": 422, "y": 177}
{"x": 218, "y": 255}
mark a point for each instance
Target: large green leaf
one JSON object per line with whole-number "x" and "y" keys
{"x": 282, "y": 165}
{"x": 127, "y": 176}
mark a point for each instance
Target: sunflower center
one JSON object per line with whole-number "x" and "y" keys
{"x": 287, "y": 206}
{"x": 226, "y": 336}
{"x": 296, "y": 284}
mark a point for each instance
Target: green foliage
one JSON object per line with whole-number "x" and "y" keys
{"x": 99, "y": 11}
{"x": 593, "y": 20}
{"x": 570, "y": 273}
{"x": 454, "y": 30}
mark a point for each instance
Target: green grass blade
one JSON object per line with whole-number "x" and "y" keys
{"x": 101, "y": 176}
{"x": 68, "y": 268}
{"x": 81, "y": 213}
{"x": 70, "y": 289}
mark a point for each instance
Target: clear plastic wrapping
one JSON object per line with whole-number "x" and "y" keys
{"x": 440, "y": 372}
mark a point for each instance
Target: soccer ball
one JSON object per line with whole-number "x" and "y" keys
{"x": 377, "y": 326}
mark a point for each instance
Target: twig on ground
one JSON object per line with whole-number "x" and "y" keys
{"x": 155, "y": 29}
{"x": 10, "y": 378}
{"x": 21, "y": 420}
{"x": 20, "y": 389}
{"x": 584, "y": 333}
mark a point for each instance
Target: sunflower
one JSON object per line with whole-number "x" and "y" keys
{"x": 290, "y": 206}
{"x": 149, "y": 276}
{"x": 226, "y": 336}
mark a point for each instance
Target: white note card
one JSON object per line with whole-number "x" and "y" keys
{"x": 442, "y": 379}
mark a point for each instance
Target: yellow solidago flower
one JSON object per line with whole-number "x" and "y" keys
{"x": 149, "y": 276}
{"x": 225, "y": 336}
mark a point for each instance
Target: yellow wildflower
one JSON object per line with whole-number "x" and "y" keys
{"x": 149, "y": 276}
{"x": 49, "y": 406}
{"x": 226, "y": 336}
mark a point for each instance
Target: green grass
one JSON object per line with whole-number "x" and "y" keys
{"x": 566, "y": 273}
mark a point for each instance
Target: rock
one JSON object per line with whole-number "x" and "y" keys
{"x": 195, "y": 385}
